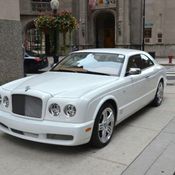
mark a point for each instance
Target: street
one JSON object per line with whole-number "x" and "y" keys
{"x": 143, "y": 144}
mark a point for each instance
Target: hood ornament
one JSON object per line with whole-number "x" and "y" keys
{"x": 27, "y": 88}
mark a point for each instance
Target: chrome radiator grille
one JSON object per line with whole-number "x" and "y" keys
{"x": 27, "y": 105}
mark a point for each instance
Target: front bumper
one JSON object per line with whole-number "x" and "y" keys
{"x": 50, "y": 132}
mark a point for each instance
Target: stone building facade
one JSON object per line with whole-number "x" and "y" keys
{"x": 159, "y": 27}
{"x": 11, "y": 59}
{"x": 113, "y": 23}
{"x": 29, "y": 10}
{"x": 106, "y": 24}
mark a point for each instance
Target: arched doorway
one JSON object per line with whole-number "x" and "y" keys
{"x": 32, "y": 38}
{"x": 36, "y": 41}
{"x": 105, "y": 30}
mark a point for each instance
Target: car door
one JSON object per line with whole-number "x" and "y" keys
{"x": 135, "y": 90}
{"x": 149, "y": 72}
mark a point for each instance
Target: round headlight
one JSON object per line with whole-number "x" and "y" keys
{"x": 54, "y": 109}
{"x": 6, "y": 101}
{"x": 70, "y": 110}
{"x": 0, "y": 99}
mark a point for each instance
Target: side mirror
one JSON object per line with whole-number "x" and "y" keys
{"x": 134, "y": 71}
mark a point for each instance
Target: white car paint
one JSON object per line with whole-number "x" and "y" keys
{"x": 86, "y": 92}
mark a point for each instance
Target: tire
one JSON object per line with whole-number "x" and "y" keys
{"x": 103, "y": 126}
{"x": 159, "y": 95}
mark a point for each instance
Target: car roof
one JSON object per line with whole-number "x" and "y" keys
{"x": 122, "y": 51}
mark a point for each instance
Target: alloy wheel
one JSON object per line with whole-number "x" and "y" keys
{"x": 106, "y": 125}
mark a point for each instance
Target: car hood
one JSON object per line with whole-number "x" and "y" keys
{"x": 61, "y": 84}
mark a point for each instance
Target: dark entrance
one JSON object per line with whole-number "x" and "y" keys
{"x": 32, "y": 38}
{"x": 37, "y": 41}
{"x": 105, "y": 30}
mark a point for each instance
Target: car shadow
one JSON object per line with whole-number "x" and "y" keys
{"x": 131, "y": 119}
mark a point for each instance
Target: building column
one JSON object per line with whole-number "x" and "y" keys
{"x": 123, "y": 22}
{"x": 83, "y": 23}
{"x": 11, "y": 57}
{"x": 136, "y": 23}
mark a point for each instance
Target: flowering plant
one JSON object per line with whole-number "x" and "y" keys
{"x": 44, "y": 23}
{"x": 64, "y": 22}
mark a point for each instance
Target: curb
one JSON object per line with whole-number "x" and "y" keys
{"x": 171, "y": 73}
{"x": 167, "y": 64}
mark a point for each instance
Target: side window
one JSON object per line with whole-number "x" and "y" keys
{"x": 134, "y": 62}
{"x": 146, "y": 62}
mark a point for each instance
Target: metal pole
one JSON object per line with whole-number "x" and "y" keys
{"x": 54, "y": 6}
{"x": 55, "y": 37}
{"x": 143, "y": 27}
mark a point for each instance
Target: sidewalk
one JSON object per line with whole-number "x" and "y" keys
{"x": 169, "y": 66}
{"x": 158, "y": 157}
{"x": 165, "y": 61}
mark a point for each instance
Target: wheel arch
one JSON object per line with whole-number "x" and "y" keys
{"x": 163, "y": 80}
{"x": 157, "y": 100}
{"x": 112, "y": 101}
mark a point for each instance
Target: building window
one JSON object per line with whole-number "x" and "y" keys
{"x": 147, "y": 40}
{"x": 147, "y": 34}
{"x": 159, "y": 37}
{"x": 33, "y": 41}
{"x": 41, "y": 5}
{"x": 159, "y": 40}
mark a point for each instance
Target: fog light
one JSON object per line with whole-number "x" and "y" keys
{"x": 6, "y": 101}
{"x": 54, "y": 109}
{"x": 70, "y": 110}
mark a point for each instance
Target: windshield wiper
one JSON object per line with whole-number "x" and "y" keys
{"x": 96, "y": 73}
{"x": 63, "y": 70}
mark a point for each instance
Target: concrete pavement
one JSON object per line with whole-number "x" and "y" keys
{"x": 165, "y": 61}
{"x": 144, "y": 144}
{"x": 158, "y": 157}
{"x": 170, "y": 68}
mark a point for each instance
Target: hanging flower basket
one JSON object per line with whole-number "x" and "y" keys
{"x": 64, "y": 22}
{"x": 45, "y": 23}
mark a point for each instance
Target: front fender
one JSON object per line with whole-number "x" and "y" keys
{"x": 96, "y": 104}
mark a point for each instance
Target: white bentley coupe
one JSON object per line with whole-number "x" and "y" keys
{"x": 82, "y": 98}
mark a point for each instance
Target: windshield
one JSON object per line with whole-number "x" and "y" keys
{"x": 93, "y": 63}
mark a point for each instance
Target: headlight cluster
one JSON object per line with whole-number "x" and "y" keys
{"x": 69, "y": 110}
{"x": 5, "y": 101}
{"x": 54, "y": 109}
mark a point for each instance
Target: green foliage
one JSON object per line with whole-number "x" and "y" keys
{"x": 44, "y": 23}
{"x": 64, "y": 22}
